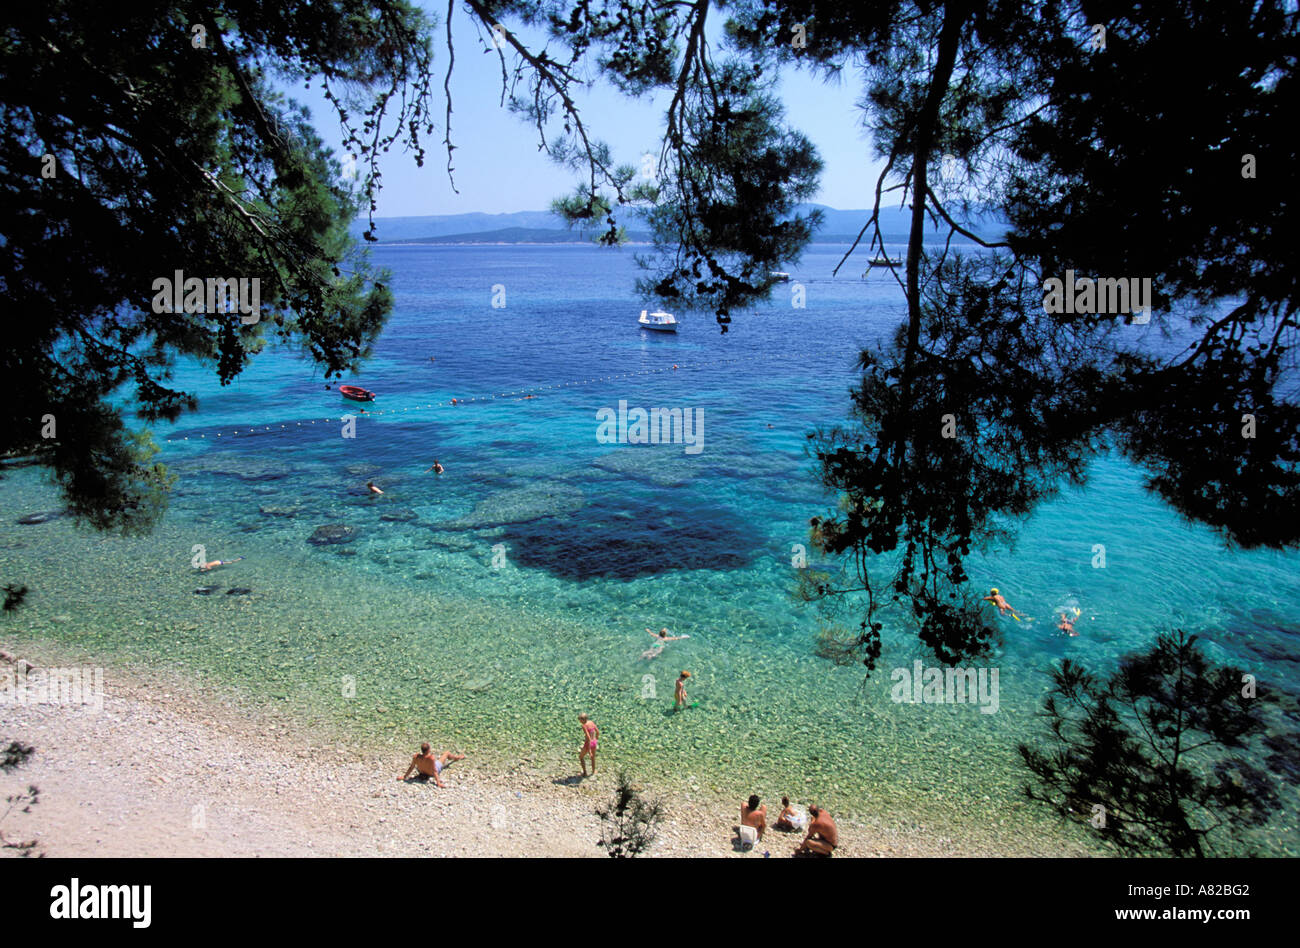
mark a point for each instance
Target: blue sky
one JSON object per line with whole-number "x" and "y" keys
{"x": 498, "y": 166}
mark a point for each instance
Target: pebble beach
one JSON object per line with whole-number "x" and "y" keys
{"x": 165, "y": 771}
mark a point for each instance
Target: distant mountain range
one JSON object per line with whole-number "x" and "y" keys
{"x": 544, "y": 227}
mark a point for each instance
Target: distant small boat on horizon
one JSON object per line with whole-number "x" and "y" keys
{"x": 658, "y": 321}
{"x": 356, "y": 393}
{"x": 780, "y": 276}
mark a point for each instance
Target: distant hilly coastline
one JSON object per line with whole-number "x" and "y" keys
{"x": 513, "y": 235}
{"x": 544, "y": 227}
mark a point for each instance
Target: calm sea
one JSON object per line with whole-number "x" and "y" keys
{"x": 485, "y": 607}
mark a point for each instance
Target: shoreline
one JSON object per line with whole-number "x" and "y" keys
{"x": 217, "y": 778}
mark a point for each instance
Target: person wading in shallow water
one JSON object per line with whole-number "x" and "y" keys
{"x": 590, "y": 737}
{"x": 679, "y": 691}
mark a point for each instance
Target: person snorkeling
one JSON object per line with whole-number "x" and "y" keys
{"x": 1004, "y": 607}
{"x": 1066, "y": 624}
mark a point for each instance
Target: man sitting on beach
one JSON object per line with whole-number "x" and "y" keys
{"x": 822, "y": 836}
{"x": 430, "y": 765}
{"x": 753, "y": 817}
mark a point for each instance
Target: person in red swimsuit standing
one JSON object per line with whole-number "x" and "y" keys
{"x": 590, "y": 735}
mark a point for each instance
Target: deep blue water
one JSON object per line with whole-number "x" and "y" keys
{"x": 537, "y": 520}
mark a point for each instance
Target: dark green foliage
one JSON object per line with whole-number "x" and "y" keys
{"x": 1160, "y": 747}
{"x": 14, "y": 596}
{"x": 11, "y": 758}
{"x": 722, "y": 201}
{"x": 630, "y": 822}
{"x": 1101, "y": 162}
{"x": 1122, "y": 162}
{"x": 166, "y": 157}
{"x": 15, "y": 755}
{"x": 726, "y": 216}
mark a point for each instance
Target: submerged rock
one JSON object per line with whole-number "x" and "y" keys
{"x": 281, "y": 510}
{"x": 399, "y": 515}
{"x": 662, "y": 465}
{"x": 520, "y": 505}
{"x": 362, "y": 469}
{"x": 238, "y": 591}
{"x": 232, "y": 464}
{"x": 45, "y": 516}
{"x": 452, "y": 541}
{"x": 332, "y": 533}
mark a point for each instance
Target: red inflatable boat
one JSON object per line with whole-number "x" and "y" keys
{"x": 356, "y": 393}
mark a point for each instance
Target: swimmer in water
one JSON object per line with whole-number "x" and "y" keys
{"x": 662, "y": 638}
{"x": 436, "y": 468}
{"x": 1004, "y": 607}
{"x": 215, "y": 563}
{"x": 373, "y": 488}
{"x": 1066, "y": 624}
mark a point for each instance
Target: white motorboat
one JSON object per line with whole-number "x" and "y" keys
{"x": 658, "y": 321}
{"x": 779, "y": 276}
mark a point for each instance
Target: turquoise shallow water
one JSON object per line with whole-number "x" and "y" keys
{"x": 488, "y": 605}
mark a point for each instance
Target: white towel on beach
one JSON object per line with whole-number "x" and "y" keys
{"x": 748, "y": 835}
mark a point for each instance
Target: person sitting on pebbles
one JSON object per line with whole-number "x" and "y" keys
{"x": 753, "y": 820}
{"x": 789, "y": 820}
{"x": 823, "y": 836}
{"x": 430, "y": 765}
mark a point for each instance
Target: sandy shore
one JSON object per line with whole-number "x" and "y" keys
{"x": 164, "y": 771}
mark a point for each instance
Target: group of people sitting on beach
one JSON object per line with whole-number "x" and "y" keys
{"x": 822, "y": 835}
{"x": 820, "y": 840}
